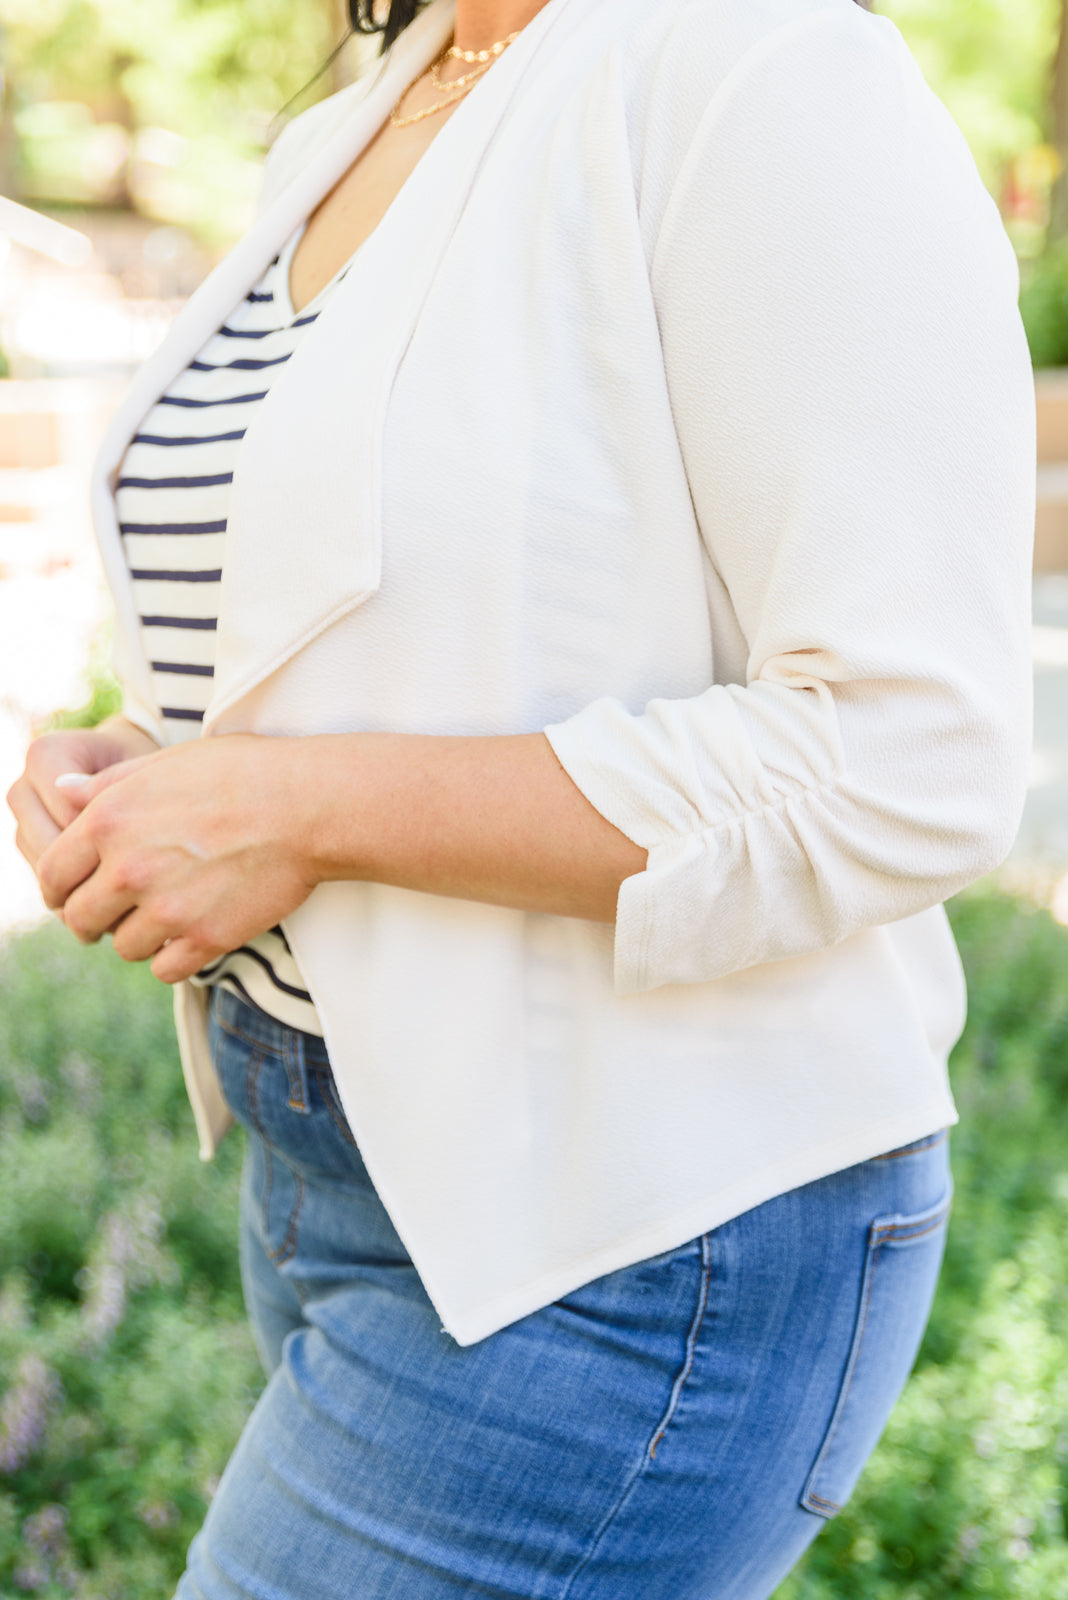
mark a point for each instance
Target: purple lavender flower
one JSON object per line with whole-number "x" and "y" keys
{"x": 24, "y": 1412}
{"x": 82, "y": 1080}
{"x": 127, "y": 1256}
{"x": 105, "y": 1303}
{"x": 157, "y": 1514}
{"x": 33, "y": 1095}
{"x": 46, "y": 1531}
{"x": 31, "y": 1575}
{"x": 14, "y": 1306}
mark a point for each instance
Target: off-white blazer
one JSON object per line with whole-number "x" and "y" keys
{"x": 679, "y": 406}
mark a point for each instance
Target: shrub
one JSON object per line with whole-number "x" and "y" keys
{"x": 126, "y": 1370}
{"x": 1044, "y": 307}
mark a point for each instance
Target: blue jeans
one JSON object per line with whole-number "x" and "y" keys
{"x": 678, "y": 1430}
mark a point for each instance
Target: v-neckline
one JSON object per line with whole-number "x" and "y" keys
{"x": 281, "y": 289}
{"x": 348, "y": 569}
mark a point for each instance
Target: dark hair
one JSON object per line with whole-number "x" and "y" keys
{"x": 398, "y": 14}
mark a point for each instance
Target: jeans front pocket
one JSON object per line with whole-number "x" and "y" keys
{"x": 904, "y": 1254}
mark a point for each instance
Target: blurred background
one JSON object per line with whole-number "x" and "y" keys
{"x": 140, "y": 126}
{"x": 131, "y": 138}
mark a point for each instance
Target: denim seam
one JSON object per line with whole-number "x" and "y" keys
{"x": 914, "y": 1149}
{"x": 252, "y": 1095}
{"x": 673, "y": 1401}
{"x": 895, "y": 1231}
{"x": 296, "y": 1073}
{"x": 879, "y": 1237}
{"x": 252, "y": 1100}
{"x": 260, "y": 1041}
{"x": 324, "y": 1080}
{"x": 240, "y": 1033}
{"x": 289, "y": 1244}
{"x": 691, "y": 1349}
{"x": 810, "y": 1496}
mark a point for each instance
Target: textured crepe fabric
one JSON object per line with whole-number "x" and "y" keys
{"x": 679, "y": 406}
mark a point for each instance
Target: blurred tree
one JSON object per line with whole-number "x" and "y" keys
{"x": 222, "y": 67}
{"x": 171, "y": 102}
{"x": 989, "y": 61}
{"x": 1058, "y": 217}
{"x": 7, "y": 127}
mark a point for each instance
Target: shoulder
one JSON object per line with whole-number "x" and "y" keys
{"x": 694, "y": 57}
{"x": 780, "y": 89}
{"x": 706, "y": 41}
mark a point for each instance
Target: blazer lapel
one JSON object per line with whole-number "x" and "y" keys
{"x": 304, "y": 538}
{"x": 228, "y": 284}
{"x": 246, "y": 262}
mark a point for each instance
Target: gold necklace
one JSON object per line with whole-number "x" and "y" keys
{"x": 489, "y": 54}
{"x": 455, "y": 83}
{"x": 397, "y": 121}
{"x": 454, "y": 91}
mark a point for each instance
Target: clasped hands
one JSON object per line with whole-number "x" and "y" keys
{"x": 187, "y": 853}
{"x": 180, "y": 854}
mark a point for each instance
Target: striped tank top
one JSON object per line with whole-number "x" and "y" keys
{"x": 172, "y": 500}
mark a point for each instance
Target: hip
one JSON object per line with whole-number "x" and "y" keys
{"x": 680, "y": 1427}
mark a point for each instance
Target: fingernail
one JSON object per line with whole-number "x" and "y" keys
{"x": 72, "y": 780}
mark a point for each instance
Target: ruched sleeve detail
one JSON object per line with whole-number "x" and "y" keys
{"x": 855, "y": 412}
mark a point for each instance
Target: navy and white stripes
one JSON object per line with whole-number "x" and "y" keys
{"x": 172, "y": 499}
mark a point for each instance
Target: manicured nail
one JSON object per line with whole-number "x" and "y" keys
{"x": 73, "y": 780}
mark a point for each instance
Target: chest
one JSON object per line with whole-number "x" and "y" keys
{"x": 460, "y": 436}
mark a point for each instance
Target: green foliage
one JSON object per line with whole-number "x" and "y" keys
{"x": 195, "y": 66}
{"x": 105, "y": 695}
{"x": 202, "y": 80}
{"x": 1044, "y": 308}
{"x": 990, "y": 62}
{"x": 217, "y": 71}
{"x": 126, "y": 1371}
{"x": 967, "y": 1494}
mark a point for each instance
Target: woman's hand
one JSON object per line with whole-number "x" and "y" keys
{"x": 41, "y": 810}
{"x": 182, "y": 855}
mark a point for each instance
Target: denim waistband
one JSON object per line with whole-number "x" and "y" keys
{"x": 242, "y": 1016}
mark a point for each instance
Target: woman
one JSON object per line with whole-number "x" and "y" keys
{"x": 608, "y": 460}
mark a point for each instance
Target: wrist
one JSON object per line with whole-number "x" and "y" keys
{"x": 126, "y": 737}
{"x": 327, "y": 806}
{"x": 344, "y": 804}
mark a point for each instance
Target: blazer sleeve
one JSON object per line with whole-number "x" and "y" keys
{"x": 855, "y": 409}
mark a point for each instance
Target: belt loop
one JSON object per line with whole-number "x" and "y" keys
{"x": 296, "y": 1069}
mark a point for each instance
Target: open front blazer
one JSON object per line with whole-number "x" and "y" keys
{"x": 678, "y": 406}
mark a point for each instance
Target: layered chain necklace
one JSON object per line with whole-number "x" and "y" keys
{"x": 449, "y": 91}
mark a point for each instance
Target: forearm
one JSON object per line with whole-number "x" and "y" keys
{"x": 196, "y": 849}
{"x": 491, "y": 819}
